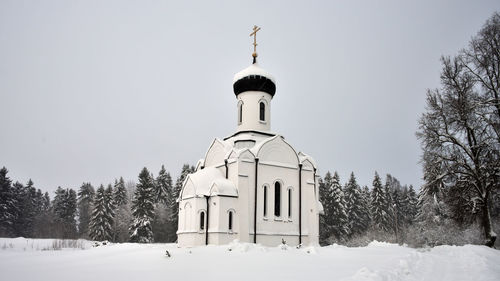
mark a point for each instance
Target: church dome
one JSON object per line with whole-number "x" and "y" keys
{"x": 254, "y": 78}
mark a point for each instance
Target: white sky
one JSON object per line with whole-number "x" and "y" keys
{"x": 94, "y": 90}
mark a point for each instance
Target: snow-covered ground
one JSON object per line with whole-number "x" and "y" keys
{"x": 36, "y": 259}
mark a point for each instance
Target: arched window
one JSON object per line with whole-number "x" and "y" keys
{"x": 265, "y": 201}
{"x": 289, "y": 202}
{"x": 277, "y": 199}
{"x": 230, "y": 224}
{"x": 202, "y": 220}
{"x": 240, "y": 112}
{"x": 262, "y": 108}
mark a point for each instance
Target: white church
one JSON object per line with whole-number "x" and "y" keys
{"x": 253, "y": 185}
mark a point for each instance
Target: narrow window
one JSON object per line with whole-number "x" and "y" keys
{"x": 277, "y": 199}
{"x": 262, "y": 111}
{"x": 230, "y": 225}
{"x": 265, "y": 201}
{"x": 240, "y": 112}
{"x": 202, "y": 220}
{"x": 289, "y": 203}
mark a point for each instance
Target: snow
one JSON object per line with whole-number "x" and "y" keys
{"x": 210, "y": 181}
{"x": 244, "y": 261}
{"x": 253, "y": 69}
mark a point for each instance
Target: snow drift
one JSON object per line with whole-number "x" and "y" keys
{"x": 242, "y": 261}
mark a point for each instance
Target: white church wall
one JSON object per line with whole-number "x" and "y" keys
{"x": 190, "y": 234}
{"x": 251, "y": 102}
{"x": 241, "y": 176}
{"x": 215, "y": 154}
{"x": 310, "y": 210}
{"x": 278, "y": 152}
{"x": 272, "y": 228}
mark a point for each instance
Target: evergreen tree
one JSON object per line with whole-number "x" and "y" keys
{"x": 120, "y": 195}
{"x": 365, "y": 208}
{"x": 163, "y": 188}
{"x": 85, "y": 197}
{"x": 412, "y": 209}
{"x": 123, "y": 217}
{"x": 26, "y": 197}
{"x": 143, "y": 209}
{"x": 338, "y": 217}
{"x": 44, "y": 220}
{"x": 324, "y": 187}
{"x": 381, "y": 219}
{"x": 64, "y": 208}
{"x": 325, "y": 226}
{"x": 8, "y": 204}
{"x": 163, "y": 197}
{"x": 110, "y": 200}
{"x": 398, "y": 215}
{"x": 20, "y": 220}
{"x": 354, "y": 207}
{"x": 389, "y": 204}
{"x": 101, "y": 222}
{"x": 46, "y": 202}
{"x": 173, "y": 205}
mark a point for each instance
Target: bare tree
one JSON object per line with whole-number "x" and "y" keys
{"x": 482, "y": 62}
{"x": 454, "y": 133}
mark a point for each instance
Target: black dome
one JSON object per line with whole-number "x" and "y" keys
{"x": 254, "y": 83}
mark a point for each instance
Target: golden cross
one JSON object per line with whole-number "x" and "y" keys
{"x": 254, "y": 34}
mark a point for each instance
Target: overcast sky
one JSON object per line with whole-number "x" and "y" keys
{"x": 94, "y": 90}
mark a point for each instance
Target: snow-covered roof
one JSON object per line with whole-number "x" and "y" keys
{"x": 223, "y": 187}
{"x": 208, "y": 182}
{"x": 304, "y": 157}
{"x": 253, "y": 69}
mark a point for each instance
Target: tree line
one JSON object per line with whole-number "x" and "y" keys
{"x": 352, "y": 211}
{"x": 120, "y": 212}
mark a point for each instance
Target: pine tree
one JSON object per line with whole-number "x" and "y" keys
{"x": 8, "y": 204}
{"x": 44, "y": 220}
{"x": 120, "y": 195}
{"x": 46, "y": 202}
{"x": 163, "y": 196}
{"x": 25, "y": 197}
{"x": 365, "y": 208}
{"x": 123, "y": 215}
{"x": 163, "y": 188}
{"x": 398, "y": 215}
{"x": 64, "y": 207}
{"x": 389, "y": 204}
{"x": 20, "y": 220}
{"x": 85, "y": 197}
{"x": 338, "y": 217}
{"x": 412, "y": 208}
{"x": 143, "y": 209}
{"x": 381, "y": 219}
{"x": 101, "y": 222}
{"x": 173, "y": 205}
{"x": 354, "y": 207}
{"x": 324, "y": 187}
{"x": 110, "y": 200}
{"x": 325, "y": 220}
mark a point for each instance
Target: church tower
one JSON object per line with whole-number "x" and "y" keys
{"x": 254, "y": 89}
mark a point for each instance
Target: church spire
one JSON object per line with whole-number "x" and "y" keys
{"x": 254, "y": 34}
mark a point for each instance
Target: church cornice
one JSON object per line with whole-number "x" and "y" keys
{"x": 250, "y": 131}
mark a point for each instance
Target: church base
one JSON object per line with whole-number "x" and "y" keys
{"x": 193, "y": 239}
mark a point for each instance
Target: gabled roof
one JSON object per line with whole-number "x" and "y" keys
{"x": 207, "y": 182}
